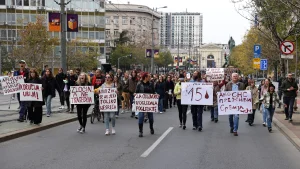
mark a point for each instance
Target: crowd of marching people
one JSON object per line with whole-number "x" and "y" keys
{"x": 168, "y": 86}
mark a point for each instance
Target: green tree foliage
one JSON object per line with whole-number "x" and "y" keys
{"x": 164, "y": 59}
{"x": 7, "y": 64}
{"x": 36, "y": 44}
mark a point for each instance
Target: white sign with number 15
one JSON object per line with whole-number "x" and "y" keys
{"x": 196, "y": 93}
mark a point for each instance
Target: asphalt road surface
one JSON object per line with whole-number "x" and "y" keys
{"x": 213, "y": 148}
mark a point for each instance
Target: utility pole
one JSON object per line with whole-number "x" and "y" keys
{"x": 152, "y": 47}
{"x": 296, "y": 56}
{"x": 63, "y": 42}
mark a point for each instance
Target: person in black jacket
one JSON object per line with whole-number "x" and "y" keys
{"x": 145, "y": 87}
{"x": 289, "y": 88}
{"x": 49, "y": 85}
{"x": 168, "y": 92}
{"x": 23, "y": 71}
{"x": 60, "y": 77}
{"x": 72, "y": 78}
{"x": 35, "y": 108}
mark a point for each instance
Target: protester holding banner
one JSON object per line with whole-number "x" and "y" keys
{"x": 214, "y": 108}
{"x": 108, "y": 115}
{"x": 182, "y": 109}
{"x": 197, "y": 110}
{"x": 23, "y": 71}
{"x": 234, "y": 85}
{"x": 145, "y": 87}
{"x": 125, "y": 93}
{"x": 255, "y": 101}
{"x": 160, "y": 89}
{"x": 35, "y": 109}
{"x": 60, "y": 77}
{"x": 82, "y": 109}
{"x": 264, "y": 90}
{"x": 269, "y": 100}
{"x": 49, "y": 85}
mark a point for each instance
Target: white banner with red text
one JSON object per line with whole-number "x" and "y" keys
{"x": 108, "y": 100}
{"x": 30, "y": 92}
{"x": 197, "y": 93}
{"x": 234, "y": 102}
{"x": 146, "y": 102}
{"x": 81, "y": 94}
{"x": 10, "y": 85}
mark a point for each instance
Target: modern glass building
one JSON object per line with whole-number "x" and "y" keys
{"x": 15, "y": 14}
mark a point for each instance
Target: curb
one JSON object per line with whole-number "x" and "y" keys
{"x": 21, "y": 133}
{"x": 286, "y": 132}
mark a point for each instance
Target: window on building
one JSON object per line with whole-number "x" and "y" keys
{"x": 124, "y": 20}
{"x": 102, "y": 35}
{"x": 116, "y": 20}
{"x": 2, "y": 18}
{"x": 102, "y": 49}
{"x": 19, "y": 2}
{"x": 107, "y": 43}
{"x": 2, "y": 2}
{"x": 25, "y": 18}
{"x": 91, "y": 20}
{"x": 91, "y": 35}
{"x": 85, "y": 20}
{"x": 11, "y": 18}
{"x": 116, "y": 32}
{"x": 3, "y": 34}
{"x": 26, "y": 2}
{"x": 33, "y": 17}
{"x": 56, "y": 34}
{"x": 33, "y": 2}
{"x": 107, "y": 20}
{"x": 85, "y": 35}
{"x": 73, "y": 35}
{"x": 107, "y": 33}
{"x": 101, "y": 4}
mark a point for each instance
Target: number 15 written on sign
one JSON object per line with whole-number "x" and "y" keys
{"x": 197, "y": 93}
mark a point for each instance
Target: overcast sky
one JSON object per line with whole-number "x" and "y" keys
{"x": 220, "y": 20}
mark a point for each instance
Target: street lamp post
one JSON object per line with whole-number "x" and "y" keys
{"x": 152, "y": 37}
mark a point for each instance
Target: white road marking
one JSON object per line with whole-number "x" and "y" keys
{"x": 155, "y": 144}
{"x": 189, "y": 111}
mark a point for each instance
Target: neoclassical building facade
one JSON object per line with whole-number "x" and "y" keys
{"x": 212, "y": 55}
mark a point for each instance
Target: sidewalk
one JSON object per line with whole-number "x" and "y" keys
{"x": 12, "y": 114}
{"x": 290, "y": 129}
{"x": 13, "y": 129}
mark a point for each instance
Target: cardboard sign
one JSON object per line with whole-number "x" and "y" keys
{"x": 196, "y": 93}
{"x": 10, "y": 85}
{"x": 215, "y": 74}
{"x": 30, "y": 92}
{"x": 108, "y": 100}
{"x": 235, "y": 102}
{"x": 82, "y": 94}
{"x": 146, "y": 102}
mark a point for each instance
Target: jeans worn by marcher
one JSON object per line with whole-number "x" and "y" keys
{"x": 216, "y": 113}
{"x": 270, "y": 113}
{"x": 288, "y": 110}
{"x": 23, "y": 109}
{"x": 264, "y": 113}
{"x": 234, "y": 122}
{"x": 199, "y": 114}
{"x": 48, "y": 104}
{"x": 161, "y": 105}
{"x": 108, "y": 115}
{"x": 142, "y": 115}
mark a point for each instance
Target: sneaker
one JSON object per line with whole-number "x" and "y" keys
{"x": 290, "y": 119}
{"x": 235, "y": 133}
{"x": 79, "y": 129}
{"x": 107, "y": 132}
{"x": 60, "y": 107}
{"x": 264, "y": 124}
{"x": 194, "y": 128}
{"x": 82, "y": 131}
{"x": 117, "y": 116}
{"x": 231, "y": 130}
{"x": 216, "y": 120}
{"x": 200, "y": 129}
{"x": 270, "y": 129}
{"x": 48, "y": 115}
{"x": 20, "y": 120}
{"x": 113, "y": 131}
{"x": 123, "y": 111}
{"x": 184, "y": 127}
{"x": 180, "y": 125}
{"x": 136, "y": 117}
{"x": 13, "y": 98}
{"x": 161, "y": 112}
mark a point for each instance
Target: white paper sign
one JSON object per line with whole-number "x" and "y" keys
{"x": 30, "y": 92}
{"x": 234, "y": 102}
{"x": 196, "y": 93}
{"x": 82, "y": 94}
{"x": 215, "y": 74}
{"x": 10, "y": 85}
{"x": 276, "y": 84}
{"x": 108, "y": 100}
{"x": 146, "y": 102}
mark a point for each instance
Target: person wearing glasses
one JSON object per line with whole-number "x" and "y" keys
{"x": 108, "y": 115}
{"x": 82, "y": 109}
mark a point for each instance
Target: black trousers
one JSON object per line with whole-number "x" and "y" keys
{"x": 35, "y": 114}
{"x": 82, "y": 110}
{"x": 197, "y": 111}
{"x": 251, "y": 116}
{"x": 67, "y": 98}
{"x": 167, "y": 101}
{"x": 182, "y": 110}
